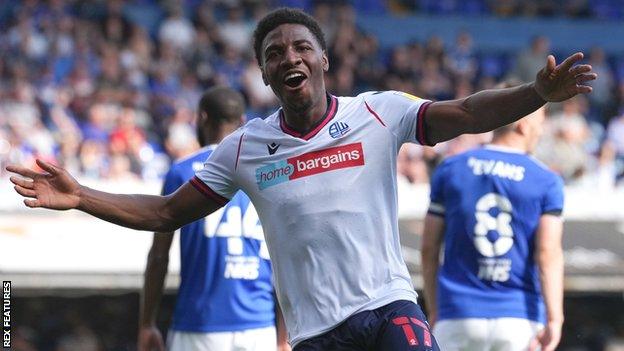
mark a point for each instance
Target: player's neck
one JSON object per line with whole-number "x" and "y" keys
{"x": 304, "y": 120}
{"x": 511, "y": 142}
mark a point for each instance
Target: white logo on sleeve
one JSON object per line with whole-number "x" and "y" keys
{"x": 492, "y": 268}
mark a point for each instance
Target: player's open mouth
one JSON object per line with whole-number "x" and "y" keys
{"x": 295, "y": 80}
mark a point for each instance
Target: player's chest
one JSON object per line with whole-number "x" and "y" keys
{"x": 287, "y": 166}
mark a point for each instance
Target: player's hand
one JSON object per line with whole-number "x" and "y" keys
{"x": 150, "y": 339}
{"x": 55, "y": 189}
{"x": 283, "y": 347}
{"x": 556, "y": 83}
{"x": 547, "y": 338}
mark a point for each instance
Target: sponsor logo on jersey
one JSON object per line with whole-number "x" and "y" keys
{"x": 338, "y": 129}
{"x": 273, "y": 148}
{"x": 311, "y": 163}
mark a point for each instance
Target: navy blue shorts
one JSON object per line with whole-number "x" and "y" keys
{"x": 398, "y": 326}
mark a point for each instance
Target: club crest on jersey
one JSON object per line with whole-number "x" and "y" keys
{"x": 338, "y": 129}
{"x": 311, "y": 163}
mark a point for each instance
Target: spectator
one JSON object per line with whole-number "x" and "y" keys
{"x": 461, "y": 58}
{"x": 236, "y": 31}
{"x": 230, "y": 67}
{"x": 615, "y": 138}
{"x": 260, "y": 96}
{"x": 532, "y": 59}
{"x": 51, "y": 50}
{"x": 602, "y": 172}
{"x": 600, "y": 98}
{"x": 93, "y": 159}
{"x": 176, "y": 30}
{"x": 563, "y": 148}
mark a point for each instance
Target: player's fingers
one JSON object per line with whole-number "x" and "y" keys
{"x": 585, "y": 77}
{"x": 48, "y": 167}
{"x": 583, "y": 89}
{"x": 579, "y": 69}
{"x": 571, "y": 60}
{"x": 24, "y": 183}
{"x": 25, "y": 192}
{"x": 32, "y": 203}
{"x": 23, "y": 171}
{"x": 550, "y": 64}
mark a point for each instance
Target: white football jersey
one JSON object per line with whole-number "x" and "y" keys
{"x": 327, "y": 201}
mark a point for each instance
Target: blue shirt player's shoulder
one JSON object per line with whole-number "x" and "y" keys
{"x": 553, "y": 199}
{"x": 183, "y": 169}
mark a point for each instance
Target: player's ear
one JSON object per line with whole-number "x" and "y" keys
{"x": 325, "y": 61}
{"x": 523, "y": 127}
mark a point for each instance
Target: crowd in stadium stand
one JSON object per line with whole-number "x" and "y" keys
{"x": 106, "y": 96}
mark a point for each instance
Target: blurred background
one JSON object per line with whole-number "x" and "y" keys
{"x": 107, "y": 89}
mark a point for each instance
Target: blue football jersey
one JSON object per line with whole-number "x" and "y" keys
{"x": 225, "y": 270}
{"x": 492, "y": 199}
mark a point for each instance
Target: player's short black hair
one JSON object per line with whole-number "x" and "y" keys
{"x": 219, "y": 105}
{"x": 285, "y": 15}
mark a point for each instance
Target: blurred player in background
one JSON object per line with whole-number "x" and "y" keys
{"x": 225, "y": 300}
{"x": 497, "y": 211}
{"x": 321, "y": 172}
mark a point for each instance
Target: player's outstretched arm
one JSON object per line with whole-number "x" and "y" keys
{"x": 433, "y": 235}
{"x": 57, "y": 189}
{"x": 549, "y": 257}
{"x": 490, "y": 109}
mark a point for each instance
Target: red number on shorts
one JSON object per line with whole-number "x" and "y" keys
{"x": 404, "y": 322}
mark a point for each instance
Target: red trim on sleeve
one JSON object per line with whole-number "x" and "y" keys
{"x": 209, "y": 193}
{"x": 240, "y": 142}
{"x": 420, "y": 125}
{"x": 374, "y": 113}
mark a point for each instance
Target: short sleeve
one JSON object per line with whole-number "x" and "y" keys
{"x": 552, "y": 203}
{"x": 173, "y": 180}
{"x": 401, "y": 112}
{"x": 437, "y": 205}
{"x": 216, "y": 178}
